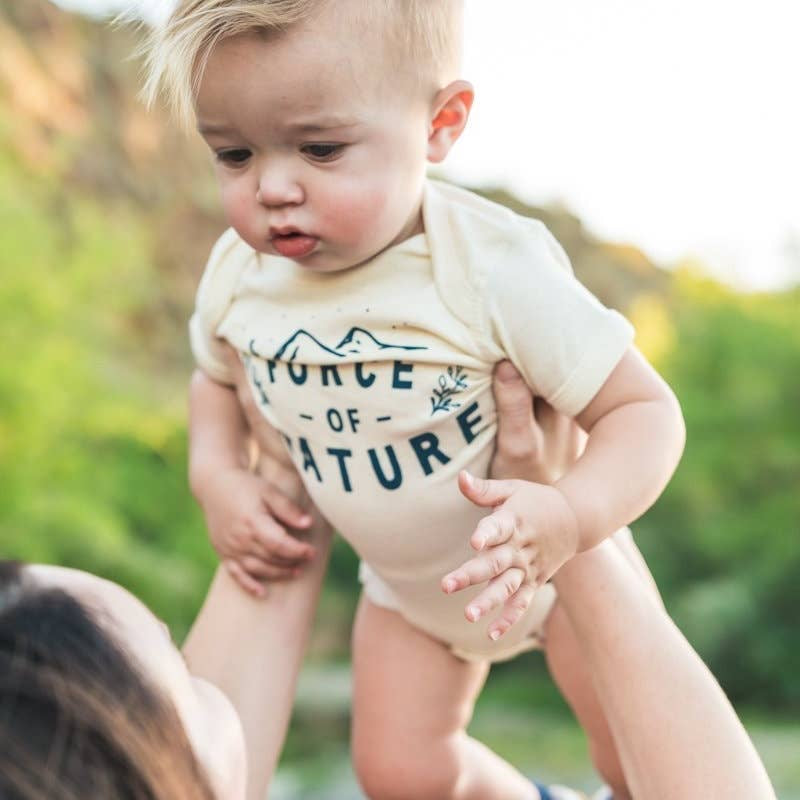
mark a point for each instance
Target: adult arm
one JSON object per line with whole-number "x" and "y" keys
{"x": 252, "y": 648}
{"x": 676, "y": 732}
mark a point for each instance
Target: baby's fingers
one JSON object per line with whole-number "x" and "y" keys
{"x": 515, "y": 607}
{"x": 266, "y": 571}
{"x": 273, "y": 540}
{"x": 284, "y": 509}
{"x": 484, "y": 566}
{"x": 500, "y": 589}
{"x": 495, "y": 529}
{"x": 238, "y": 573}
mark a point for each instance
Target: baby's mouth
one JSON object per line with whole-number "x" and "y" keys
{"x": 294, "y": 244}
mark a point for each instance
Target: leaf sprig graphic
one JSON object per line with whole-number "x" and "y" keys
{"x": 451, "y": 383}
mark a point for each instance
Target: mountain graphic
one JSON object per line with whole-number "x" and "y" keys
{"x": 302, "y": 341}
{"x": 357, "y": 340}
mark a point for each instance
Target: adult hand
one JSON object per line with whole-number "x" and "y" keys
{"x": 534, "y": 441}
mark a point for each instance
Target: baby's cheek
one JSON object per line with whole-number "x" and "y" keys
{"x": 358, "y": 214}
{"x": 239, "y": 213}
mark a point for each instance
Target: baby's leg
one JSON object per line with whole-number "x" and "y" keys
{"x": 412, "y": 702}
{"x": 567, "y": 664}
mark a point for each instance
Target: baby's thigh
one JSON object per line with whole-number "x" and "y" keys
{"x": 409, "y": 690}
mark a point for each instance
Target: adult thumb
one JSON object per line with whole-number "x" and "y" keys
{"x": 484, "y": 492}
{"x": 514, "y": 402}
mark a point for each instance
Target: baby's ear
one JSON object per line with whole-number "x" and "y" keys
{"x": 450, "y": 112}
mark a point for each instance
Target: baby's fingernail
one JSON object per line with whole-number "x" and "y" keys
{"x": 479, "y": 544}
{"x": 494, "y": 635}
{"x": 469, "y": 479}
{"x": 305, "y": 519}
{"x": 473, "y": 613}
{"x": 450, "y": 585}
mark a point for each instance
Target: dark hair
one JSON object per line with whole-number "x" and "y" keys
{"x": 78, "y": 721}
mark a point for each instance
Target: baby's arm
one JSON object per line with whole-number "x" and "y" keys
{"x": 243, "y": 510}
{"x": 636, "y": 436}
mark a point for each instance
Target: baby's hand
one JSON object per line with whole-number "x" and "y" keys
{"x": 530, "y": 533}
{"x": 244, "y": 513}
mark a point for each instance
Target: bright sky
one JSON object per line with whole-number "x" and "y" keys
{"x": 671, "y": 125}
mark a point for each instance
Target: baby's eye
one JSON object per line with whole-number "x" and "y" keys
{"x": 234, "y": 157}
{"x": 323, "y": 151}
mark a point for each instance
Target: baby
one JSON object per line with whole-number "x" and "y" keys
{"x": 369, "y": 306}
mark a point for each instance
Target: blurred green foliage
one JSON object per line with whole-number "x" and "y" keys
{"x": 92, "y": 449}
{"x": 93, "y": 438}
{"x": 724, "y": 541}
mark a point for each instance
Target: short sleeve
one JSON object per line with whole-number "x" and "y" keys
{"x": 226, "y": 263}
{"x": 563, "y": 340}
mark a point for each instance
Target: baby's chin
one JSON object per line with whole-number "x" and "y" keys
{"x": 326, "y": 259}
{"x": 318, "y": 254}
{"x": 322, "y": 260}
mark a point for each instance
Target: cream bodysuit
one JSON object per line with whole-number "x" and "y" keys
{"x": 379, "y": 379}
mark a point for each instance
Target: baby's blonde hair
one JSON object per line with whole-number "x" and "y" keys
{"x": 424, "y": 35}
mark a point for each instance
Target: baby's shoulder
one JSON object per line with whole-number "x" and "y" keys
{"x": 230, "y": 256}
{"x": 228, "y": 251}
{"x": 478, "y": 238}
{"x": 229, "y": 259}
{"x": 480, "y": 248}
{"x": 462, "y": 207}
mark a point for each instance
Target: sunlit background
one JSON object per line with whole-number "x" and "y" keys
{"x": 670, "y": 125}
{"x": 658, "y": 140}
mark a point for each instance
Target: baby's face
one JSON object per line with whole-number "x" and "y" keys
{"x": 320, "y": 158}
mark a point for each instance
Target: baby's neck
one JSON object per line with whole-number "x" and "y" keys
{"x": 414, "y": 225}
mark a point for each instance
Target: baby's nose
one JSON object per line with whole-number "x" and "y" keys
{"x": 277, "y": 187}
